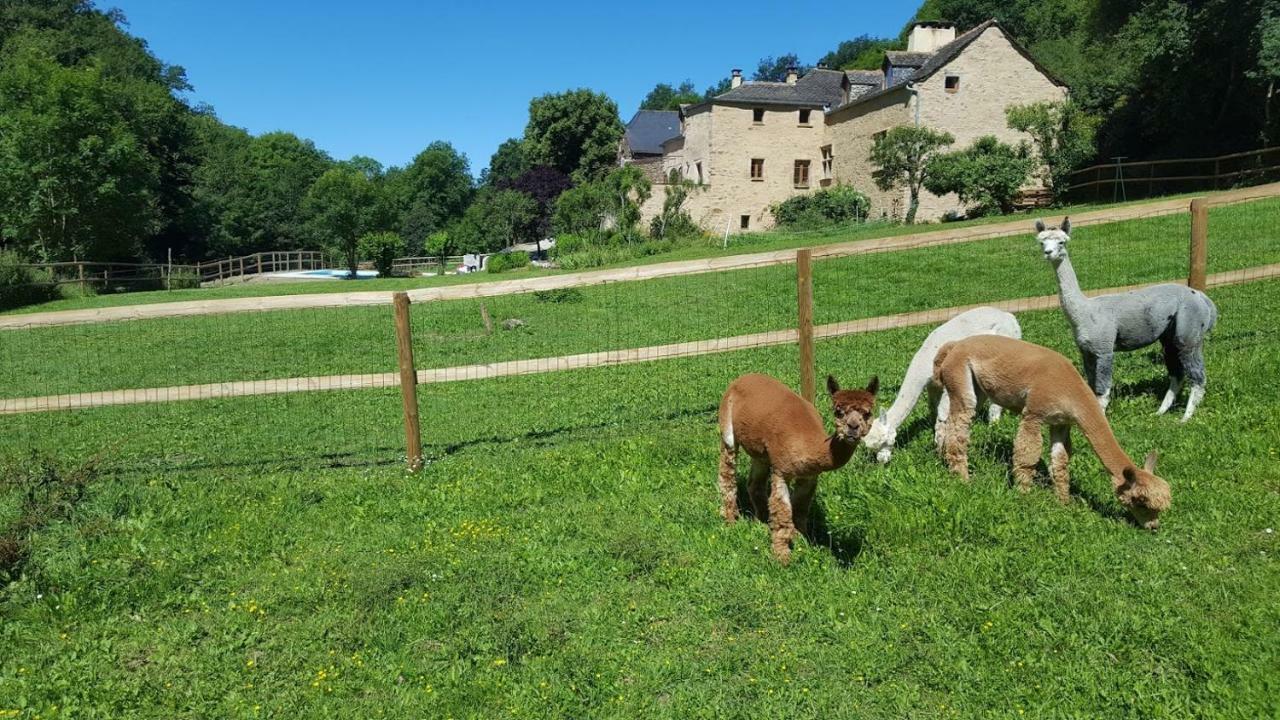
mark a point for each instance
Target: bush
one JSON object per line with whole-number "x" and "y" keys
{"x": 22, "y": 285}
{"x": 382, "y": 248}
{"x": 986, "y": 175}
{"x": 829, "y": 206}
{"x": 501, "y": 262}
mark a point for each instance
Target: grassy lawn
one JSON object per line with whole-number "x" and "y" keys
{"x": 709, "y": 247}
{"x": 561, "y": 556}
{"x": 614, "y": 316}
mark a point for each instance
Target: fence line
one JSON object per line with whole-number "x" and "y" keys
{"x": 606, "y": 358}
{"x": 1144, "y": 177}
{"x": 598, "y": 277}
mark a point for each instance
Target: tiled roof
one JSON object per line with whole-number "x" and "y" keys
{"x": 865, "y": 77}
{"x": 817, "y": 88}
{"x": 902, "y": 58}
{"x": 648, "y": 129}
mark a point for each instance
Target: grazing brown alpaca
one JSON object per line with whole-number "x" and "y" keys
{"x": 787, "y": 442}
{"x": 1045, "y": 387}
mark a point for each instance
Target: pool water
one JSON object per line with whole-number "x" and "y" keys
{"x": 340, "y": 274}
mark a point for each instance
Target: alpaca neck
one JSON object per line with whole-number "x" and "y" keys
{"x": 1095, "y": 427}
{"x": 1073, "y": 299}
{"x": 832, "y": 453}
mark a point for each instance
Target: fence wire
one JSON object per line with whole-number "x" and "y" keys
{"x": 320, "y": 384}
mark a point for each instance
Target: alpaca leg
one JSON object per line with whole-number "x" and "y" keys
{"x": 728, "y": 483}
{"x": 1102, "y": 382}
{"x": 1172, "y": 363}
{"x": 1059, "y": 456}
{"x": 781, "y": 528}
{"x": 941, "y": 406}
{"x": 962, "y": 404}
{"x": 1026, "y": 452}
{"x": 802, "y": 500}
{"x": 758, "y": 488}
{"x": 1192, "y": 358}
{"x": 993, "y": 413}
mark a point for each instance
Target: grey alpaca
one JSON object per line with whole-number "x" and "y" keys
{"x": 1176, "y": 315}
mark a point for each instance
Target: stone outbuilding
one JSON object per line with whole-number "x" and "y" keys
{"x": 760, "y": 143}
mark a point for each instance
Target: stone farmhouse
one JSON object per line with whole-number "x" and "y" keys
{"x": 763, "y": 142}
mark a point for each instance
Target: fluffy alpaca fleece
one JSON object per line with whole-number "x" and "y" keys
{"x": 1176, "y": 315}
{"x": 1045, "y": 387}
{"x": 883, "y": 434}
{"x": 788, "y": 445}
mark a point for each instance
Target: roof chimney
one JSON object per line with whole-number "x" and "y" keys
{"x": 737, "y": 78}
{"x": 927, "y": 37}
{"x": 792, "y": 75}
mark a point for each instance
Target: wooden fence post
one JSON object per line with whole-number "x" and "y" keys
{"x": 408, "y": 382}
{"x": 804, "y": 323}
{"x": 1199, "y": 244}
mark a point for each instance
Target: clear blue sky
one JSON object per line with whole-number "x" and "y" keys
{"x": 385, "y": 78}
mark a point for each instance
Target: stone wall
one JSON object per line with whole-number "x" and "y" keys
{"x": 851, "y": 132}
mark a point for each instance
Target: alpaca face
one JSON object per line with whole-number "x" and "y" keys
{"x": 853, "y": 409}
{"x": 1144, "y": 494}
{"x": 1053, "y": 240}
{"x": 880, "y": 439}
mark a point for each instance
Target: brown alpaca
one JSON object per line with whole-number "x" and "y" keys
{"x": 787, "y": 442}
{"x": 1045, "y": 387}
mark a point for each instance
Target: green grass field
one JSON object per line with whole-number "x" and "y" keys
{"x": 561, "y": 556}
{"x": 620, "y": 315}
{"x": 693, "y": 249}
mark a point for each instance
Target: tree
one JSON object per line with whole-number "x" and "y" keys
{"x": 628, "y": 189}
{"x": 543, "y": 184}
{"x": 986, "y": 176}
{"x": 1063, "y": 136}
{"x": 81, "y": 165}
{"x": 431, "y": 193}
{"x": 382, "y": 248}
{"x": 497, "y": 219}
{"x": 508, "y": 163}
{"x": 774, "y": 69}
{"x": 581, "y": 211}
{"x": 575, "y": 132}
{"x": 719, "y": 88}
{"x": 666, "y": 97}
{"x": 440, "y": 244}
{"x": 674, "y": 220}
{"x": 861, "y": 53}
{"x": 1268, "y": 63}
{"x": 901, "y": 157}
{"x": 339, "y": 208}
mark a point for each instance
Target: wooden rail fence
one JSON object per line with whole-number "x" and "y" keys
{"x": 1149, "y": 178}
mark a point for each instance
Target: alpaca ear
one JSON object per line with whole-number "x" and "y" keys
{"x": 1066, "y": 225}
{"x": 1150, "y": 463}
{"x": 873, "y": 387}
{"x": 1039, "y": 226}
{"x": 1130, "y": 474}
{"x": 833, "y": 387}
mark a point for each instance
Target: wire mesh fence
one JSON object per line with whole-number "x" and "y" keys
{"x": 321, "y": 383}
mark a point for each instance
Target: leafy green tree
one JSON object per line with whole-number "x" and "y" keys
{"x": 986, "y": 175}
{"x": 901, "y": 157}
{"x": 1268, "y": 62}
{"x": 81, "y": 171}
{"x": 382, "y": 248}
{"x": 674, "y": 220}
{"x": 440, "y": 244}
{"x": 720, "y": 87}
{"x": 861, "y": 53}
{"x": 543, "y": 184}
{"x": 340, "y": 208}
{"x": 575, "y": 132}
{"x": 1063, "y": 137}
{"x": 507, "y": 164}
{"x": 666, "y": 97}
{"x": 581, "y": 211}
{"x": 432, "y": 192}
{"x": 628, "y": 188}
{"x": 497, "y": 219}
{"x": 774, "y": 69}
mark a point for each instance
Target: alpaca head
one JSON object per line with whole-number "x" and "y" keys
{"x": 881, "y": 438}
{"x": 1053, "y": 240}
{"x": 852, "y": 408}
{"x": 1143, "y": 493}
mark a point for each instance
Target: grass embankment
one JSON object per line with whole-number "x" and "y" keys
{"x": 561, "y": 556}
{"x": 329, "y": 341}
{"x": 686, "y": 250}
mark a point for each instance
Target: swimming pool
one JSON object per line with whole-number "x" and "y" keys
{"x": 329, "y": 274}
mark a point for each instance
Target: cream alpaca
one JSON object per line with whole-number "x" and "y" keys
{"x": 883, "y": 434}
{"x": 787, "y": 442}
{"x": 1045, "y": 387}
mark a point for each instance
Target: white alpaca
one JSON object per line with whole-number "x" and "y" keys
{"x": 979, "y": 321}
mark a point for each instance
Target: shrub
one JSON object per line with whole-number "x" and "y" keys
{"x": 382, "y": 248}
{"x": 558, "y": 295}
{"x": 829, "y": 206}
{"x": 22, "y": 285}
{"x": 986, "y": 175}
{"x": 501, "y": 262}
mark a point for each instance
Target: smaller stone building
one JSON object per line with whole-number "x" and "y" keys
{"x": 641, "y": 144}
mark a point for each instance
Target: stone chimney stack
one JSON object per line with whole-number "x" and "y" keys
{"x": 792, "y": 75}
{"x": 927, "y": 37}
{"x": 737, "y": 78}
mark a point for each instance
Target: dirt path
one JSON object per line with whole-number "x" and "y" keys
{"x": 596, "y": 277}
{"x": 75, "y": 401}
